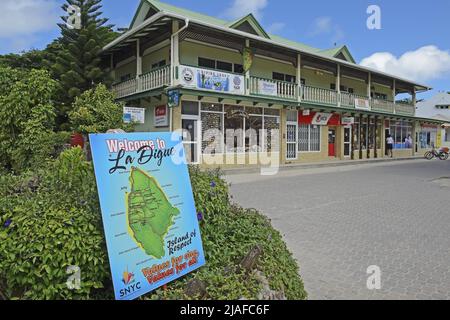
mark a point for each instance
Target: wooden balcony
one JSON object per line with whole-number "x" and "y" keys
{"x": 269, "y": 88}
{"x": 154, "y": 79}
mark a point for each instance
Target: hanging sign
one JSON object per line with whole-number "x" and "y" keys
{"x": 148, "y": 211}
{"x": 173, "y": 97}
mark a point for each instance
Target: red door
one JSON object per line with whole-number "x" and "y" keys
{"x": 332, "y": 142}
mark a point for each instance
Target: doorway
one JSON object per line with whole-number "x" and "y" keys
{"x": 191, "y": 128}
{"x": 347, "y": 141}
{"x": 332, "y": 142}
{"x": 386, "y": 134}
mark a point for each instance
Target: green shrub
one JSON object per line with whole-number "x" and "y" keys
{"x": 95, "y": 111}
{"x": 27, "y": 116}
{"x": 54, "y": 221}
{"x": 51, "y": 228}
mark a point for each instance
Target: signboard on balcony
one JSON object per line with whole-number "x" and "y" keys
{"x": 161, "y": 118}
{"x": 212, "y": 80}
{"x": 133, "y": 115}
{"x": 362, "y": 104}
{"x": 267, "y": 88}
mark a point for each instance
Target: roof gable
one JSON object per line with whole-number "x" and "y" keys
{"x": 340, "y": 53}
{"x": 249, "y": 24}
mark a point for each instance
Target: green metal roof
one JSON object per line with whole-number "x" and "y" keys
{"x": 161, "y": 6}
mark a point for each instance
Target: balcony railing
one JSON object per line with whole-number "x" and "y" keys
{"x": 148, "y": 81}
{"x": 275, "y": 89}
{"x": 319, "y": 95}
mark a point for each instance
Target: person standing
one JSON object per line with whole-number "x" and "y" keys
{"x": 390, "y": 145}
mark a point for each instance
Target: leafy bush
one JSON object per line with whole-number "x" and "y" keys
{"x": 51, "y": 219}
{"x": 95, "y": 111}
{"x": 49, "y": 227}
{"x": 27, "y": 116}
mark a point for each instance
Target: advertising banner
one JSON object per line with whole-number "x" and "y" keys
{"x": 148, "y": 210}
{"x": 135, "y": 115}
{"x": 321, "y": 118}
{"x": 267, "y": 88}
{"x": 362, "y": 104}
{"x": 161, "y": 116}
{"x": 213, "y": 80}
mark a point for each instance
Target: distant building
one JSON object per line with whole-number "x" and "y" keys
{"x": 438, "y": 107}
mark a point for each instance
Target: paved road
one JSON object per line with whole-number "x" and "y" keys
{"x": 338, "y": 221}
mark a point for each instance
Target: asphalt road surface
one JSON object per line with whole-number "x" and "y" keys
{"x": 338, "y": 221}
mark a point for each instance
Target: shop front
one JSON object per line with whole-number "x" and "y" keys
{"x": 229, "y": 134}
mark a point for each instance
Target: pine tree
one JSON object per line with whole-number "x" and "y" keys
{"x": 78, "y": 65}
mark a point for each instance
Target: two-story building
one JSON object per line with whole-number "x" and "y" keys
{"x": 236, "y": 90}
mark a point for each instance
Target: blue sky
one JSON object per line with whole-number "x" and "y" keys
{"x": 413, "y": 41}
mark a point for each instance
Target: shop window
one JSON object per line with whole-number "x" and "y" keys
{"x": 253, "y": 133}
{"x": 212, "y": 132}
{"x": 234, "y": 126}
{"x": 308, "y": 138}
{"x": 401, "y": 132}
{"x": 206, "y": 63}
{"x": 189, "y": 108}
{"x": 272, "y": 127}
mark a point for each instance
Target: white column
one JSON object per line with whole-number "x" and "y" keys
{"x": 175, "y": 53}
{"x": 338, "y": 85}
{"x": 247, "y": 79}
{"x": 299, "y": 77}
{"x": 138, "y": 64}
{"x": 394, "y": 90}
{"x": 369, "y": 85}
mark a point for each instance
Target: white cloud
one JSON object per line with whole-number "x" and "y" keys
{"x": 424, "y": 64}
{"x": 276, "y": 27}
{"x": 27, "y": 17}
{"x": 240, "y": 8}
{"x": 324, "y": 26}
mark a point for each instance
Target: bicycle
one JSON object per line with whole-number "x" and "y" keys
{"x": 441, "y": 154}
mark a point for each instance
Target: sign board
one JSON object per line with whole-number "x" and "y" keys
{"x": 161, "y": 116}
{"x": 267, "y": 88}
{"x": 148, "y": 210}
{"x": 321, "y": 118}
{"x": 362, "y": 104}
{"x": 211, "y": 80}
{"x": 346, "y": 121}
{"x": 173, "y": 97}
{"x": 135, "y": 115}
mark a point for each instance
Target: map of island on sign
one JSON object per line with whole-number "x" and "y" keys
{"x": 149, "y": 213}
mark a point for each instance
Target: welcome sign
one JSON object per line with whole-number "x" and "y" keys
{"x": 148, "y": 210}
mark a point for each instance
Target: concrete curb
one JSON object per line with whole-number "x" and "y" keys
{"x": 245, "y": 170}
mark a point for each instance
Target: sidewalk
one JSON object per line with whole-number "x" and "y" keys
{"x": 312, "y": 165}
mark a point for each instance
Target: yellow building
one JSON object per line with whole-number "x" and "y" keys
{"x": 242, "y": 96}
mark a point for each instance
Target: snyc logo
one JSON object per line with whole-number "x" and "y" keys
{"x": 131, "y": 286}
